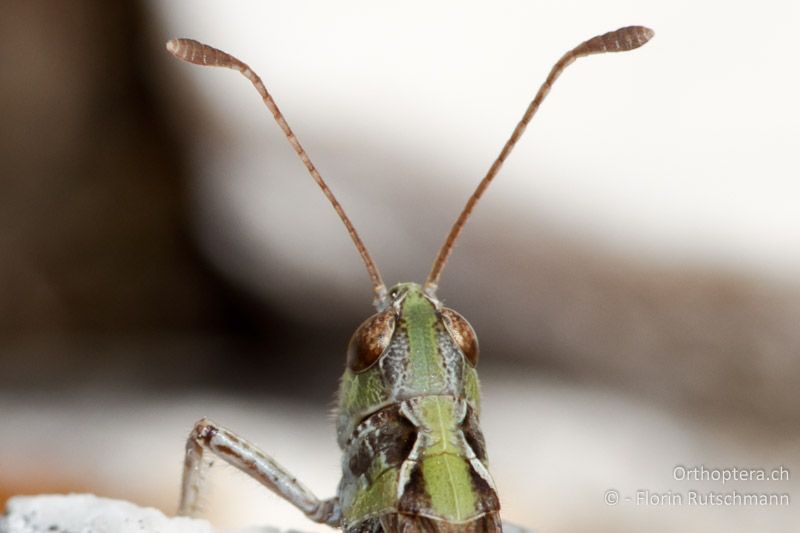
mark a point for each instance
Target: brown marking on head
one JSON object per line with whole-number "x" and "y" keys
{"x": 370, "y": 340}
{"x": 462, "y": 333}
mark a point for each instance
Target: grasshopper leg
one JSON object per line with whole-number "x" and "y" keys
{"x": 209, "y": 436}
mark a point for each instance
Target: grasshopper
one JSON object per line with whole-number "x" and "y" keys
{"x": 408, "y": 417}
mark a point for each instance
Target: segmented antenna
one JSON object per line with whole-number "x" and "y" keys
{"x": 198, "y": 53}
{"x": 623, "y": 39}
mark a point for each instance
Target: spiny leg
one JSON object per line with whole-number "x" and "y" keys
{"x": 245, "y": 456}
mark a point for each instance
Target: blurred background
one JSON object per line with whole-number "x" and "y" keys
{"x": 631, "y": 273}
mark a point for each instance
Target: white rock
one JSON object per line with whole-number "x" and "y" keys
{"x": 86, "y": 513}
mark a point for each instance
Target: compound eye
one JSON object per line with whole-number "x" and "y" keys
{"x": 370, "y": 340}
{"x": 463, "y": 334}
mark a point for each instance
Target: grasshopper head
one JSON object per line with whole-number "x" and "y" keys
{"x": 412, "y": 347}
{"x": 408, "y": 307}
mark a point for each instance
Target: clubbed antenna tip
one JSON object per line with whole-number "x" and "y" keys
{"x": 621, "y": 40}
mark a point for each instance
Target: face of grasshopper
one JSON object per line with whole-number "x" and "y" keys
{"x": 413, "y": 454}
{"x": 408, "y": 418}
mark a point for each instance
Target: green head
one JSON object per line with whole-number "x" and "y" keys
{"x": 412, "y": 347}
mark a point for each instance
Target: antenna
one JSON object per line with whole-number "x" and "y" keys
{"x": 622, "y": 40}
{"x": 198, "y": 53}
